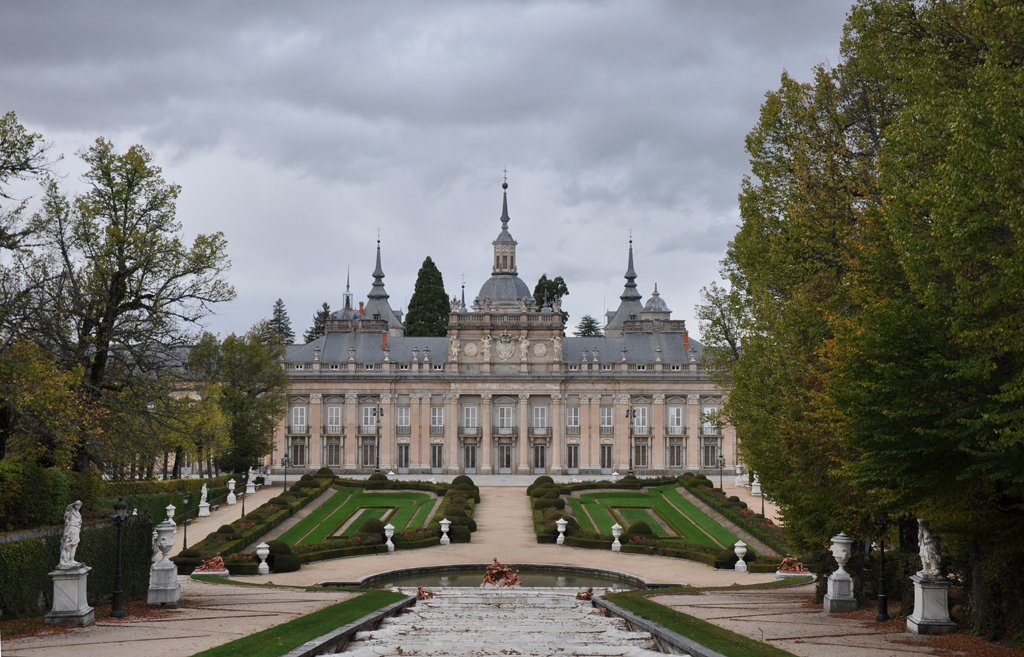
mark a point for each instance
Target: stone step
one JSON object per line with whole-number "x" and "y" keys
{"x": 503, "y": 622}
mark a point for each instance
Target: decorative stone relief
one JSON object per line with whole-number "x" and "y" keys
{"x": 556, "y": 346}
{"x": 505, "y": 347}
{"x": 659, "y": 399}
{"x": 523, "y": 398}
{"x": 314, "y": 398}
{"x": 453, "y": 348}
{"x": 385, "y": 398}
{"x": 486, "y": 396}
{"x": 540, "y": 350}
{"x": 524, "y": 347}
{"x": 485, "y": 344}
{"x": 556, "y": 396}
{"x": 693, "y": 399}
{"x": 471, "y": 349}
{"x": 623, "y": 399}
{"x": 351, "y": 398}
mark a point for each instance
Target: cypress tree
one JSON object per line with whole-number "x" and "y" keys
{"x": 588, "y": 328}
{"x": 281, "y": 324}
{"x": 429, "y": 306}
{"x": 319, "y": 323}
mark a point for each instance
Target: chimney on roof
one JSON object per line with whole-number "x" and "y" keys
{"x": 686, "y": 341}
{"x": 384, "y": 340}
{"x": 360, "y": 307}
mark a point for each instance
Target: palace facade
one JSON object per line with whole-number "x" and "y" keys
{"x": 506, "y": 392}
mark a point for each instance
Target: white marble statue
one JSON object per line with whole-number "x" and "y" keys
{"x": 556, "y": 306}
{"x": 556, "y": 345}
{"x": 455, "y": 304}
{"x": 486, "y": 304}
{"x": 251, "y": 476}
{"x": 524, "y": 347}
{"x": 72, "y": 535}
{"x": 202, "y": 495}
{"x": 931, "y": 560}
{"x": 454, "y": 344}
{"x": 485, "y": 347}
{"x": 522, "y": 305}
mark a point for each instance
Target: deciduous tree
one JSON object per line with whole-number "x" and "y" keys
{"x": 549, "y": 289}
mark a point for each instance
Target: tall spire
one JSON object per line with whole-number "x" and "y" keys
{"x": 377, "y": 306}
{"x": 377, "y": 291}
{"x": 630, "y": 293}
{"x": 348, "y": 290}
{"x": 504, "y": 205}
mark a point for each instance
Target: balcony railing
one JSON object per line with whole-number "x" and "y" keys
{"x": 368, "y": 429}
{"x": 403, "y": 429}
{"x": 505, "y": 431}
{"x": 639, "y": 431}
{"x": 436, "y": 429}
{"x": 297, "y": 429}
{"x": 607, "y": 430}
{"x": 572, "y": 431}
{"x": 709, "y": 430}
{"x": 469, "y": 431}
{"x": 540, "y": 432}
{"x": 331, "y": 430}
{"x": 675, "y": 431}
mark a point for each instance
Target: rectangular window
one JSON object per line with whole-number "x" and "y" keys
{"x": 369, "y": 419}
{"x": 572, "y": 419}
{"x": 675, "y": 455}
{"x": 404, "y": 415}
{"x": 640, "y": 421}
{"x": 572, "y": 457}
{"x": 505, "y": 422}
{"x": 298, "y": 419}
{"x": 640, "y": 455}
{"x": 333, "y": 456}
{"x": 469, "y": 417}
{"x": 436, "y": 417}
{"x": 540, "y": 417}
{"x": 436, "y": 458}
{"x": 708, "y": 426}
{"x": 606, "y": 459}
{"x": 368, "y": 366}
{"x": 607, "y": 418}
{"x": 369, "y": 454}
{"x": 572, "y": 368}
{"x": 675, "y": 420}
{"x": 676, "y": 368}
{"x": 334, "y": 419}
{"x": 299, "y": 453}
{"x": 606, "y": 368}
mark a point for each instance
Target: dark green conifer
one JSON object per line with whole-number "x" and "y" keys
{"x": 429, "y": 306}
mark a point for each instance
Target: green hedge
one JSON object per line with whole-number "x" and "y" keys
{"x": 24, "y": 566}
{"x": 336, "y": 553}
{"x": 156, "y": 505}
{"x": 775, "y": 540}
{"x": 128, "y": 489}
{"x": 412, "y": 545}
{"x": 249, "y": 530}
{"x": 31, "y": 496}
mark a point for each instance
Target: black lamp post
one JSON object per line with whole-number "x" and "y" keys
{"x": 285, "y": 461}
{"x": 762, "y": 501}
{"x": 376, "y": 470}
{"x": 630, "y": 418}
{"x": 184, "y": 544}
{"x": 120, "y": 514}
{"x": 883, "y": 601}
{"x": 721, "y": 471}
{"x": 245, "y": 478}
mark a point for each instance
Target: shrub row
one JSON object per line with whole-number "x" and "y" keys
{"x": 156, "y": 505}
{"x": 31, "y": 496}
{"x": 760, "y": 528}
{"x": 251, "y": 527}
{"x": 26, "y": 588}
{"x": 128, "y": 489}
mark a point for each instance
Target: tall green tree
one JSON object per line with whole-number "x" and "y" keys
{"x": 281, "y": 324}
{"x": 429, "y": 306}
{"x": 126, "y": 287}
{"x": 550, "y": 289}
{"x": 588, "y": 327}
{"x": 319, "y": 323}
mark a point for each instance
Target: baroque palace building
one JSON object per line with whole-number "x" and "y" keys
{"x": 506, "y": 392}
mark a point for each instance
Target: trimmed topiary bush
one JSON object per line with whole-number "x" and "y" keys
{"x": 465, "y": 487}
{"x": 640, "y": 529}
{"x": 371, "y": 526}
{"x": 325, "y": 471}
{"x": 279, "y": 547}
{"x": 305, "y": 477}
{"x": 377, "y": 476}
{"x": 540, "y": 491}
{"x": 462, "y": 479}
{"x": 543, "y": 479}
{"x": 551, "y": 494}
{"x": 226, "y": 529}
{"x": 286, "y": 563}
{"x": 549, "y": 503}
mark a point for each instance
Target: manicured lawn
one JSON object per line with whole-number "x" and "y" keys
{"x": 411, "y": 510}
{"x": 728, "y": 643}
{"x": 633, "y": 507}
{"x": 278, "y": 640}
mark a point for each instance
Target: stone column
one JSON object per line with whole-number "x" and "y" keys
{"x": 657, "y": 457}
{"x": 314, "y": 450}
{"x": 485, "y": 434}
{"x": 451, "y": 431}
{"x": 524, "y": 434}
{"x": 387, "y": 433}
{"x": 693, "y": 435}
{"x": 729, "y": 445}
{"x": 351, "y": 442}
{"x": 586, "y": 442}
{"x": 621, "y": 461}
{"x": 557, "y": 433}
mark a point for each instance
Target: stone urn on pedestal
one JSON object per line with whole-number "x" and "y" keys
{"x": 931, "y": 588}
{"x": 616, "y": 533}
{"x": 740, "y": 548}
{"x": 164, "y": 590}
{"x": 561, "y": 523}
{"x": 840, "y": 598}
{"x": 741, "y": 477}
{"x": 231, "y": 491}
{"x": 445, "y": 524}
{"x": 170, "y": 515}
{"x": 389, "y": 531}
{"x": 263, "y": 551}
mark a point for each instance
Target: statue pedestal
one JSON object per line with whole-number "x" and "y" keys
{"x": 839, "y": 598}
{"x": 755, "y": 488}
{"x": 204, "y": 509}
{"x": 931, "y": 606}
{"x": 70, "y": 605}
{"x": 250, "y": 488}
{"x": 164, "y": 590}
{"x": 231, "y": 498}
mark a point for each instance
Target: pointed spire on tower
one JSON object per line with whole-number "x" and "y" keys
{"x": 630, "y": 293}
{"x": 504, "y": 204}
{"x": 348, "y": 289}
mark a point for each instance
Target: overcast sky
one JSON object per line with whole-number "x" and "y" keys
{"x": 300, "y": 129}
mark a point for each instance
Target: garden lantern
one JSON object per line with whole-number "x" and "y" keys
{"x": 120, "y": 513}
{"x": 184, "y": 523}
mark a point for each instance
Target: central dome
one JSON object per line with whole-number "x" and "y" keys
{"x": 504, "y": 288}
